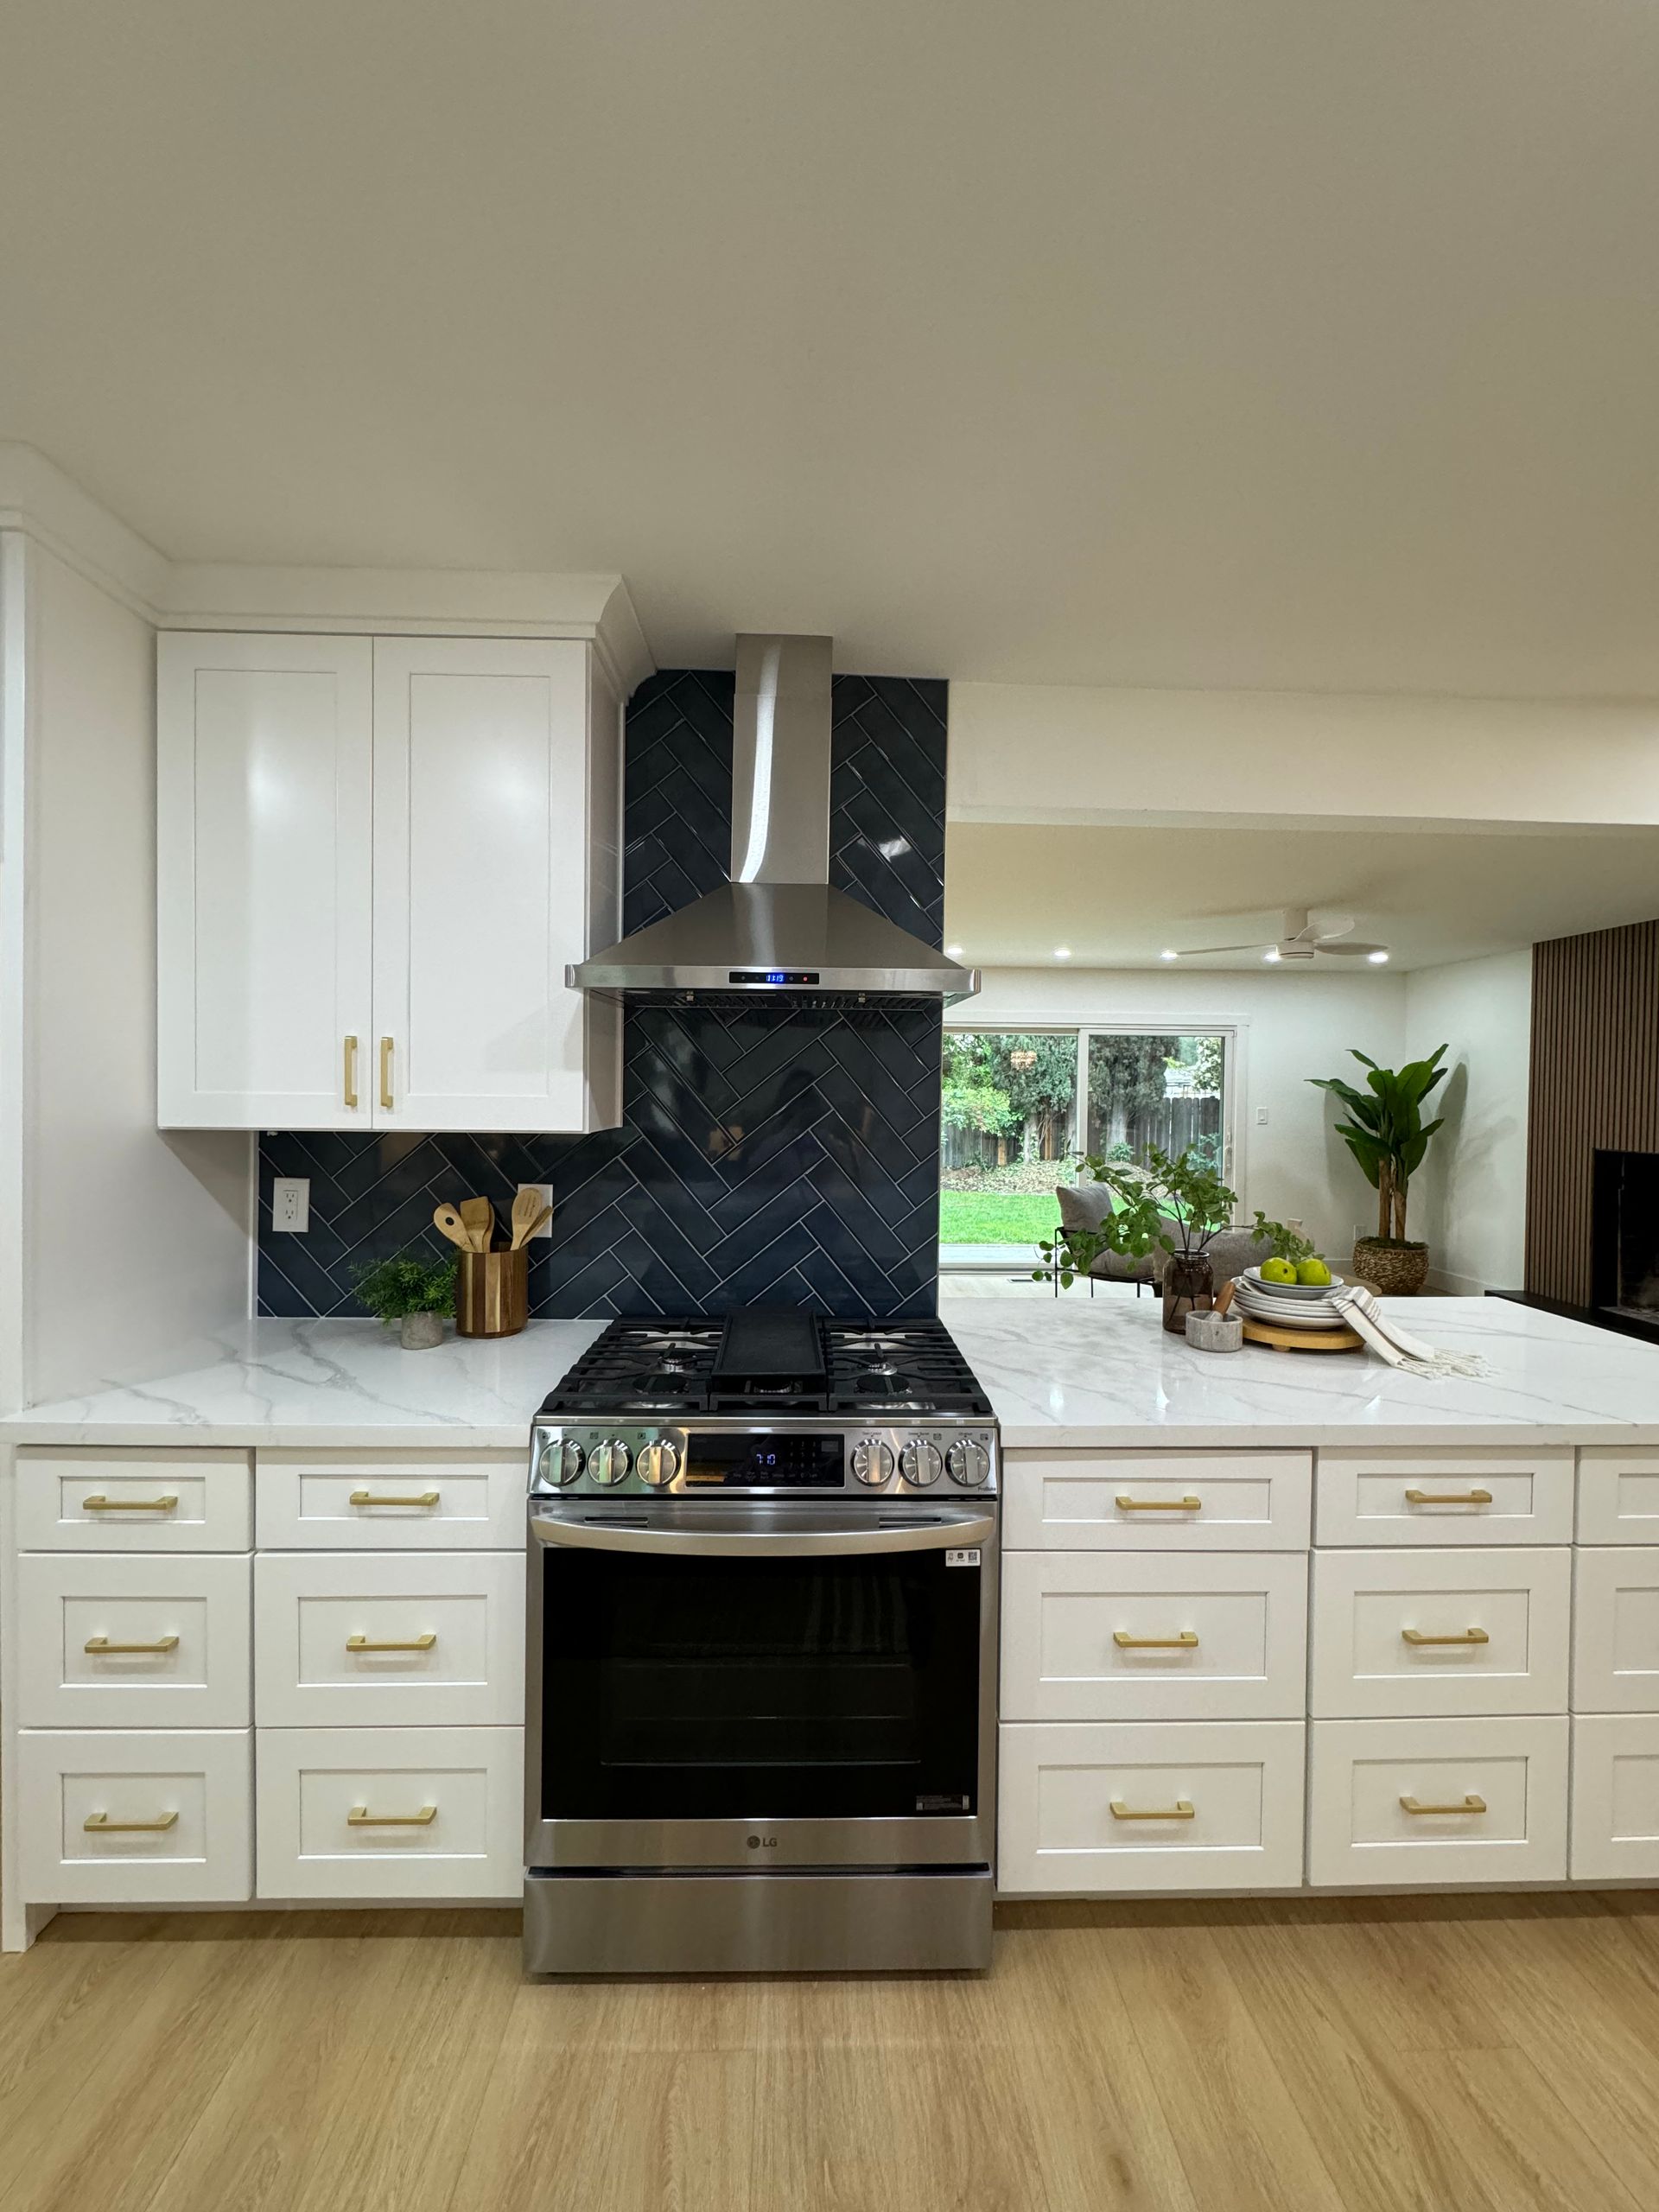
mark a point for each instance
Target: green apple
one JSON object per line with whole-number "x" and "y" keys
{"x": 1279, "y": 1271}
{"x": 1314, "y": 1272}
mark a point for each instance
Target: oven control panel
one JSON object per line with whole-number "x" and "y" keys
{"x": 732, "y": 1457}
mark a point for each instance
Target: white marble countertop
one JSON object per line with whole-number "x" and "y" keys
{"x": 1105, "y": 1372}
{"x": 1081, "y": 1372}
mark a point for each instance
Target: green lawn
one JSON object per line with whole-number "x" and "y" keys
{"x": 996, "y": 1217}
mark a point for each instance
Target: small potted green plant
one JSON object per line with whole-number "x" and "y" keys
{"x": 415, "y": 1290}
{"x": 1387, "y": 1134}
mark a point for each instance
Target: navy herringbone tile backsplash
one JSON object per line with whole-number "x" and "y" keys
{"x": 769, "y": 1152}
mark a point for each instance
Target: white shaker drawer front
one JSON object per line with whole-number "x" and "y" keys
{"x": 135, "y": 1817}
{"x": 84, "y": 1501}
{"x": 391, "y": 1812}
{"x": 1618, "y": 1495}
{"x": 1437, "y": 1801}
{"x": 1465, "y": 1496}
{"x": 148, "y": 1642}
{"x": 1156, "y": 1501}
{"x": 425, "y": 1640}
{"x": 379, "y": 1501}
{"x": 1615, "y": 1797}
{"x": 1095, "y": 1636}
{"x": 1200, "y": 1806}
{"x": 1616, "y": 1630}
{"x": 1439, "y": 1632}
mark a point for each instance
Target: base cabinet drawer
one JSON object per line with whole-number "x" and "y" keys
{"x": 1618, "y": 1495}
{"x": 1098, "y": 1636}
{"x": 1615, "y": 1797}
{"x": 1092, "y": 1808}
{"x": 1156, "y": 1501}
{"x": 1398, "y": 1803}
{"x": 1459, "y": 1497}
{"x": 380, "y": 1501}
{"x": 423, "y": 1640}
{"x": 1430, "y": 1633}
{"x": 139, "y": 1501}
{"x": 136, "y": 1817}
{"x": 149, "y": 1642}
{"x": 391, "y": 1812}
{"x": 1615, "y": 1629}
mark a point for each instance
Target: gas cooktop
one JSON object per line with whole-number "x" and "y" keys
{"x": 769, "y": 1364}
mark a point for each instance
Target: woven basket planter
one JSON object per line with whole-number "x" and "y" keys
{"x": 1391, "y": 1270}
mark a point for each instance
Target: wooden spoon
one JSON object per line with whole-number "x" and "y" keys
{"x": 480, "y": 1218}
{"x": 529, "y": 1209}
{"x": 453, "y": 1227}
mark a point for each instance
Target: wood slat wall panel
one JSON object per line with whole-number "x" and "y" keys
{"x": 1594, "y": 1086}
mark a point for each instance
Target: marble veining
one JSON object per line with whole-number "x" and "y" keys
{"x": 1090, "y": 1373}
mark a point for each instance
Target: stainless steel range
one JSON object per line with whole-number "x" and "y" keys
{"x": 763, "y": 1611}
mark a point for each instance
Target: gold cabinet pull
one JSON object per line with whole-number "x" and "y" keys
{"x": 1416, "y": 1636}
{"x": 1180, "y": 1810}
{"x": 101, "y": 1824}
{"x": 385, "y": 1072}
{"x": 1186, "y": 1641}
{"x": 1471, "y": 1804}
{"x": 100, "y": 1644}
{"x": 376, "y": 1498}
{"x": 348, "y": 1080}
{"x": 1448, "y": 1497}
{"x": 99, "y": 1503}
{"x": 1159, "y": 1504}
{"x": 361, "y": 1817}
{"x": 417, "y": 1644}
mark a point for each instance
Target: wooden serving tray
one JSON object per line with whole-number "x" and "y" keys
{"x": 1263, "y": 1332}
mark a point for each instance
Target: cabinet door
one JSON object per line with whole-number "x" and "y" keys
{"x": 480, "y": 829}
{"x": 265, "y": 854}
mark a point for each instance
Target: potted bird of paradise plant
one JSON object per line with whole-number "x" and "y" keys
{"x": 1386, "y": 1132}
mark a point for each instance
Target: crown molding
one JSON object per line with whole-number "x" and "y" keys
{"x": 39, "y": 499}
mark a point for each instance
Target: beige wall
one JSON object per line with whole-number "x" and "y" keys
{"x": 1469, "y": 1198}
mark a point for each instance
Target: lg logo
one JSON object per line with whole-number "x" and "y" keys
{"x": 763, "y": 1843}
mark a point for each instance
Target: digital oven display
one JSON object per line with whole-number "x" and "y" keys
{"x": 788, "y": 1461}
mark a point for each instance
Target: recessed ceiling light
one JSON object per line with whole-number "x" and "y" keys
{"x": 1062, "y": 952}
{"x": 1377, "y": 957}
{"x": 1169, "y": 956}
{"x": 1272, "y": 953}
{"x": 953, "y": 952}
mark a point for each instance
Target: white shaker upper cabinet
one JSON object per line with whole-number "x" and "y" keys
{"x": 480, "y": 872}
{"x": 264, "y": 866}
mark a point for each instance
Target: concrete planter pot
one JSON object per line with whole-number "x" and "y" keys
{"x": 1390, "y": 1267}
{"x": 420, "y": 1331}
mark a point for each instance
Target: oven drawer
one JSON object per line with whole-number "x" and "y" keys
{"x": 392, "y": 1501}
{"x": 1618, "y": 1495}
{"x": 1490, "y": 1800}
{"x": 346, "y": 1640}
{"x": 1156, "y": 1501}
{"x": 391, "y": 1812}
{"x": 148, "y": 1642}
{"x": 1444, "y": 1497}
{"x": 1439, "y": 1632}
{"x": 1091, "y": 1808}
{"x": 142, "y": 1501}
{"x": 1615, "y": 1797}
{"x": 134, "y": 1816}
{"x": 1098, "y": 1635}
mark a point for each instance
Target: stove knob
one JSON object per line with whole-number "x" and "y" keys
{"x": 568, "y": 1459}
{"x": 872, "y": 1460}
{"x": 969, "y": 1463}
{"x": 919, "y": 1462}
{"x": 608, "y": 1464}
{"x": 657, "y": 1464}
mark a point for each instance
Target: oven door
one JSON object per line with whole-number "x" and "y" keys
{"x": 760, "y": 1685}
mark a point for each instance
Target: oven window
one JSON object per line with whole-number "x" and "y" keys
{"x": 746, "y": 1689}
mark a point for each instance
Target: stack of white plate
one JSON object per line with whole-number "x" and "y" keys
{"x": 1287, "y": 1305}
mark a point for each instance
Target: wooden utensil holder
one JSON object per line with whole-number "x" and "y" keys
{"x": 492, "y": 1293}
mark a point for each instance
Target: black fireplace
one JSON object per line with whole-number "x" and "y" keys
{"x": 1624, "y": 1227}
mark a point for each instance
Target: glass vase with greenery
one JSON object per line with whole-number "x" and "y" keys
{"x": 414, "y": 1290}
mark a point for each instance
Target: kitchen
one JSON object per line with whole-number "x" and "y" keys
{"x": 774, "y": 1726}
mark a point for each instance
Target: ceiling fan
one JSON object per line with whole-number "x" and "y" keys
{"x": 1302, "y": 938}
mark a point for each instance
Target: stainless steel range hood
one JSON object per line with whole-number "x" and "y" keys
{"x": 778, "y": 925}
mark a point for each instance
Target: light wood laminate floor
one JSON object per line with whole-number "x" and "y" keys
{"x": 1460, "y": 2055}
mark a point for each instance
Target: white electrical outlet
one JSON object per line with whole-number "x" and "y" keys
{"x": 290, "y": 1203}
{"x": 544, "y": 1193}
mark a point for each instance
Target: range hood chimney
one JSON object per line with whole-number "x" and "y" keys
{"x": 777, "y": 926}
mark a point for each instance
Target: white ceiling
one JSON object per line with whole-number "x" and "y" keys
{"x": 1116, "y": 898}
{"x": 1305, "y": 343}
